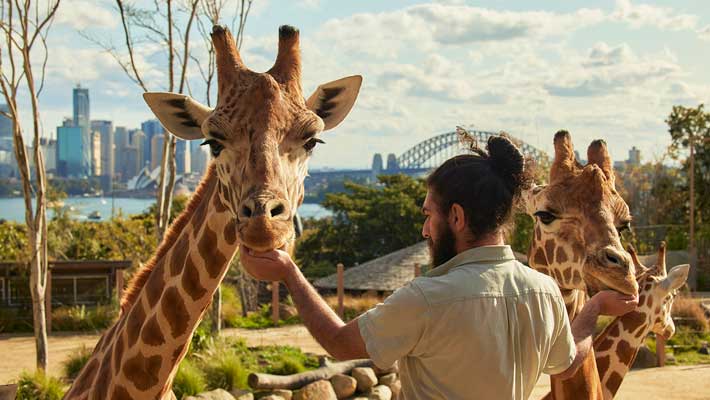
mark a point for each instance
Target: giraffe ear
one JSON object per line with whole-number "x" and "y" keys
{"x": 180, "y": 114}
{"x": 332, "y": 101}
{"x": 676, "y": 277}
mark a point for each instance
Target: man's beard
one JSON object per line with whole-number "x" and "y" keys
{"x": 444, "y": 248}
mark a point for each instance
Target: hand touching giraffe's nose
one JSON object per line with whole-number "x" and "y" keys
{"x": 274, "y": 265}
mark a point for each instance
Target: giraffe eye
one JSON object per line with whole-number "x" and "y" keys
{"x": 545, "y": 217}
{"x": 215, "y": 147}
{"x": 309, "y": 145}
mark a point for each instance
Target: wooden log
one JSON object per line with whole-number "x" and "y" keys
{"x": 341, "y": 289}
{"x": 297, "y": 381}
{"x": 417, "y": 270}
{"x": 660, "y": 350}
{"x": 275, "y": 303}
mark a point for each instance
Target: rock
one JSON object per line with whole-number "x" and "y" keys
{"x": 8, "y": 392}
{"x": 286, "y": 311}
{"x": 272, "y": 397}
{"x": 365, "y": 378}
{"x": 396, "y": 388}
{"x": 645, "y": 358}
{"x": 670, "y": 358}
{"x": 319, "y": 390}
{"x": 240, "y": 394}
{"x": 217, "y": 394}
{"x": 343, "y": 385}
{"x": 379, "y": 392}
{"x": 387, "y": 379}
{"x": 286, "y": 394}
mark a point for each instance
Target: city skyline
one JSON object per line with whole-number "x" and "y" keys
{"x": 610, "y": 70}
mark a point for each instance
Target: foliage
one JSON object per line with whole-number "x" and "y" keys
{"x": 259, "y": 320}
{"x": 189, "y": 380}
{"x": 82, "y": 318}
{"x": 15, "y": 320}
{"x": 353, "y": 306}
{"x": 76, "y": 187}
{"x": 13, "y": 241}
{"x": 687, "y": 339}
{"x": 221, "y": 364}
{"x": 521, "y": 233}
{"x": 231, "y": 305}
{"x": 367, "y": 223}
{"x": 39, "y": 386}
{"x": 73, "y": 365}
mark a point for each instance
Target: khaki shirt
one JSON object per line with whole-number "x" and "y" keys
{"x": 480, "y": 326}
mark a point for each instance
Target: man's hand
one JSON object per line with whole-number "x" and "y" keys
{"x": 614, "y": 303}
{"x": 275, "y": 265}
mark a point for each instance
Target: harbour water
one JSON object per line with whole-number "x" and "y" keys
{"x": 13, "y": 209}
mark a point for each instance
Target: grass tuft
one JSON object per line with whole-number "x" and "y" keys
{"x": 73, "y": 365}
{"x": 39, "y": 386}
{"x": 189, "y": 380}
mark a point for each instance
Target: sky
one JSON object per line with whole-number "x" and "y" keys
{"x": 605, "y": 69}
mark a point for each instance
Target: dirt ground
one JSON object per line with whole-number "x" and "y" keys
{"x": 688, "y": 382}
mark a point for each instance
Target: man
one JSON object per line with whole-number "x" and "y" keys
{"x": 480, "y": 324}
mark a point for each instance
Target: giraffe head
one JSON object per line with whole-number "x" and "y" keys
{"x": 657, "y": 289}
{"x": 261, "y": 134}
{"x": 578, "y": 218}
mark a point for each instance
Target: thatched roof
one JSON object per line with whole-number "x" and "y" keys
{"x": 387, "y": 273}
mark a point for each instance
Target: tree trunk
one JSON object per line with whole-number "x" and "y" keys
{"x": 217, "y": 311}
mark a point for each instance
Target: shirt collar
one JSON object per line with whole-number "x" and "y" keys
{"x": 474, "y": 255}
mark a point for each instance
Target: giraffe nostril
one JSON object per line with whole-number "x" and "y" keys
{"x": 246, "y": 211}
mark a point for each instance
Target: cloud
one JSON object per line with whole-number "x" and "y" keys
{"x": 428, "y": 26}
{"x": 607, "y": 70}
{"x": 82, "y": 14}
{"x": 639, "y": 15}
{"x": 308, "y": 3}
{"x": 704, "y": 33}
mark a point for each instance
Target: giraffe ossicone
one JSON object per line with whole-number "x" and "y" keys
{"x": 261, "y": 134}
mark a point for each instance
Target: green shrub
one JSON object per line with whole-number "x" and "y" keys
{"x": 73, "y": 365}
{"x": 15, "y": 320}
{"x": 260, "y": 320}
{"x": 39, "y": 386}
{"x": 189, "y": 380}
{"x": 82, "y": 318}
{"x": 287, "y": 366}
{"x": 221, "y": 362}
{"x": 231, "y": 304}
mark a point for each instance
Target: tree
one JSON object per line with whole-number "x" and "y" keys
{"x": 24, "y": 25}
{"x": 690, "y": 128}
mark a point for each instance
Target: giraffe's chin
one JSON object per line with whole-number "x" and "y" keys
{"x": 262, "y": 234}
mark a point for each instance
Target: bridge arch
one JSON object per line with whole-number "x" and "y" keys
{"x": 435, "y": 150}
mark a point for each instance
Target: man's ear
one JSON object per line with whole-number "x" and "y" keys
{"x": 180, "y": 114}
{"x": 333, "y": 101}
{"x": 457, "y": 218}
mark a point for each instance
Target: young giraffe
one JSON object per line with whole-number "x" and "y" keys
{"x": 261, "y": 134}
{"x": 578, "y": 216}
{"x": 616, "y": 347}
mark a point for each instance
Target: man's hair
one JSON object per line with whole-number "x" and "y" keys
{"x": 485, "y": 183}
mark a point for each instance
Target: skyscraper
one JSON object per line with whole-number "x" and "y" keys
{"x": 182, "y": 157}
{"x": 81, "y": 120}
{"x": 96, "y": 167}
{"x": 49, "y": 152}
{"x": 70, "y": 151}
{"x": 138, "y": 141}
{"x": 156, "y": 153}
{"x": 151, "y": 128}
{"x": 5, "y": 130}
{"x": 105, "y": 130}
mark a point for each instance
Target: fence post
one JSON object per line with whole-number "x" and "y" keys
{"x": 118, "y": 276}
{"x": 341, "y": 288}
{"x": 275, "y": 302}
{"x": 48, "y": 300}
{"x": 417, "y": 270}
{"x": 660, "y": 350}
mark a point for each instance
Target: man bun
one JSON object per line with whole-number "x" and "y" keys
{"x": 506, "y": 161}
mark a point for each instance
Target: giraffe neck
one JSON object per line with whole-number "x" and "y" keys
{"x": 138, "y": 357}
{"x": 616, "y": 347}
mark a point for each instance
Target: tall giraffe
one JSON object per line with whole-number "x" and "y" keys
{"x": 578, "y": 217}
{"x": 617, "y": 345}
{"x": 260, "y": 134}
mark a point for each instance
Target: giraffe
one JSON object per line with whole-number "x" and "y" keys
{"x": 616, "y": 346}
{"x": 576, "y": 241}
{"x": 261, "y": 134}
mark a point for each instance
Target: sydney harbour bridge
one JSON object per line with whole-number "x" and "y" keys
{"x": 421, "y": 158}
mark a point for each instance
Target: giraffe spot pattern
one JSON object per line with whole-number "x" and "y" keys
{"x": 142, "y": 371}
{"x": 154, "y": 285}
{"x": 538, "y": 234}
{"x": 633, "y": 321}
{"x": 561, "y": 256}
{"x": 642, "y": 299}
{"x": 120, "y": 393}
{"x": 218, "y": 204}
{"x": 603, "y": 365}
{"x": 605, "y": 345}
{"x": 173, "y": 307}
{"x": 134, "y": 323}
{"x": 118, "y": 353}
{"x": 550, "y": 249}
{"x": 650, "y": 302}
{"x": 151, "y": 333}
{"x": 178, "y": 353}
{"x": 190, "y": 280}
{"x": 230, "y": 231}
{"x": 87, "y": 378}
{"x": 103, "y": 379}
{"x": 540, "y": 258}
{"x": 213, "y": 258}
{"x": 614, "y": 381}
{"x": 179, "y": 252}
{"x": 568, "y": 274}
{"x": 576, "y": 278}
{"x": 625, "y": 352}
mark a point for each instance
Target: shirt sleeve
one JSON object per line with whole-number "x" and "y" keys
{"x": 392, "y": 329}
{"x": 563, "y": 350}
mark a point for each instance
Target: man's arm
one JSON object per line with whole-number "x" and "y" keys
{"x": 342, "y": 341}
{"x": 606, "y": 302}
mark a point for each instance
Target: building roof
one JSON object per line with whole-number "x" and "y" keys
{"x": 387, "y": 273}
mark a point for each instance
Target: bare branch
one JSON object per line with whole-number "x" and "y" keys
{"x": 127, "y": 35}
{"x": 186, "y": 43}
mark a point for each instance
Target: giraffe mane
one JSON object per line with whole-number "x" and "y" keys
{"x": 171, "y": 235}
